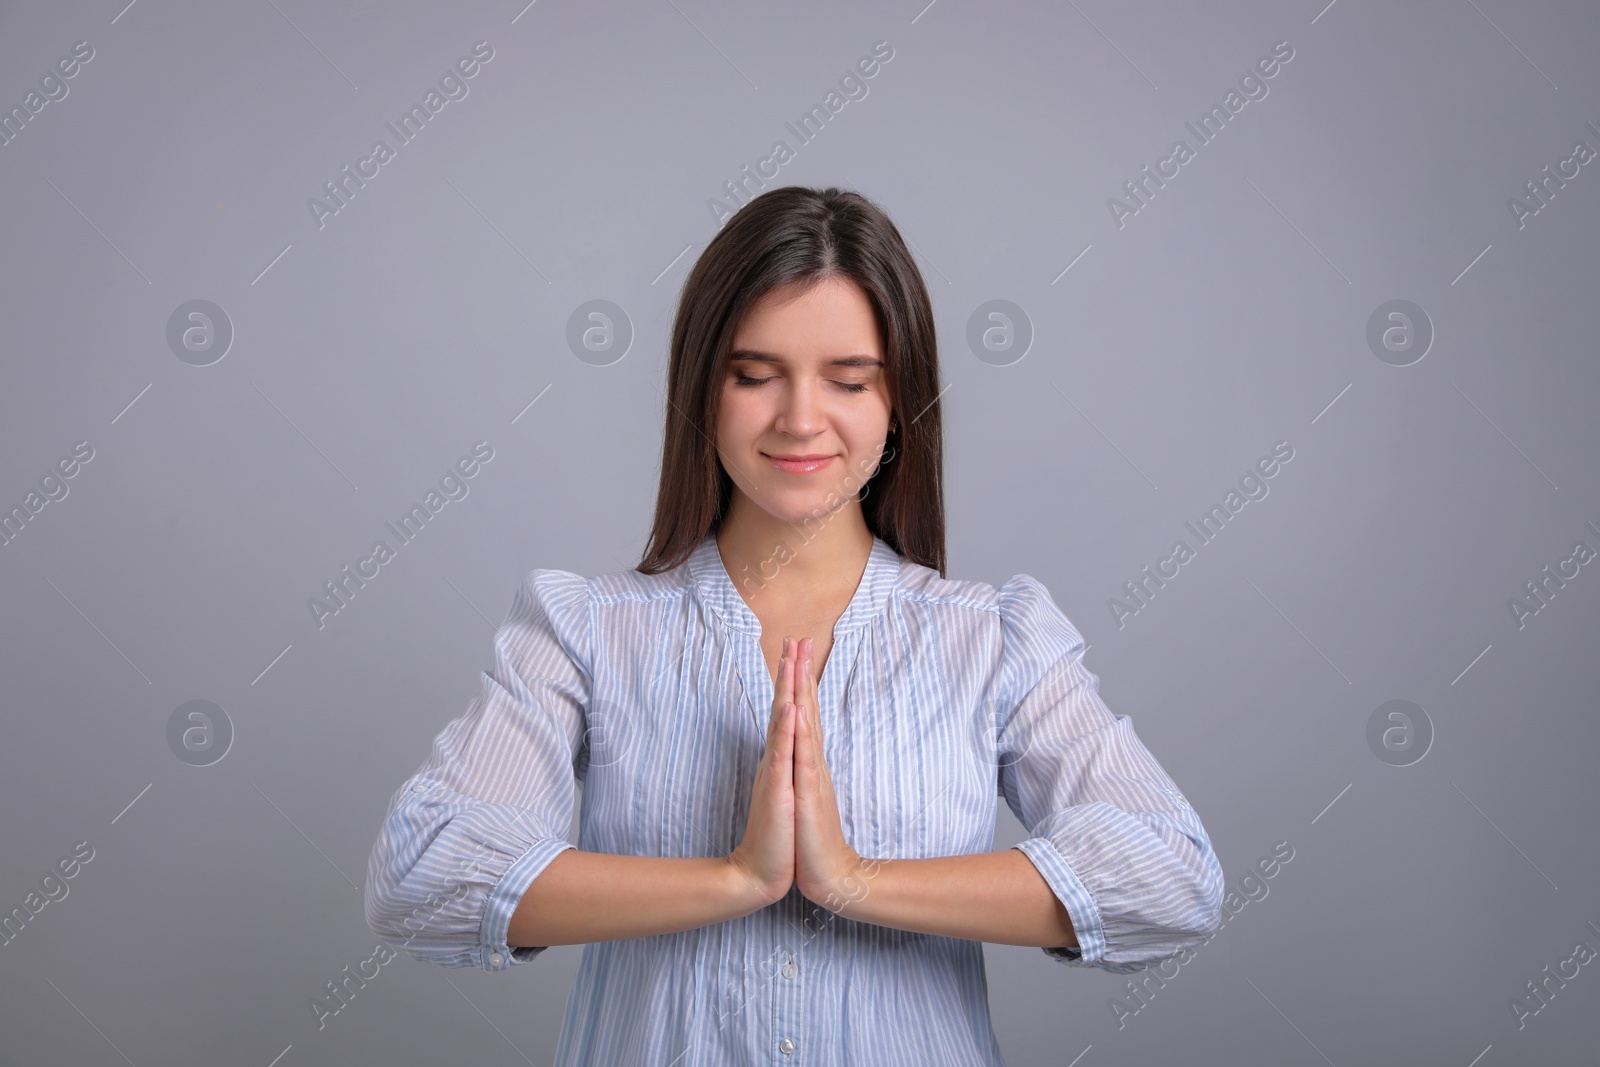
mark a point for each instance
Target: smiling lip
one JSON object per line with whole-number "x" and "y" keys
{"x": 798, "y": 464}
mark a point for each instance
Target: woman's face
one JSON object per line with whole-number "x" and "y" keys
{"x": 805, "y": 379}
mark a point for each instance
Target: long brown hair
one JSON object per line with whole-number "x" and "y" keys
{"x": 786, "y": 236}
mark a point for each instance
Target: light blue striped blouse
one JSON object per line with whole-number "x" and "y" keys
{"x": 651, "y": 691}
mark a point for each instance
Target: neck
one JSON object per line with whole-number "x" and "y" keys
{"x": 772, "y": 559}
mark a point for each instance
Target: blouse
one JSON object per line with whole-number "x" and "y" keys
{"x": 652, "y": 695}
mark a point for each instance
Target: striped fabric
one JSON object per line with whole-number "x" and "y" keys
{"x": 651, "y": 694}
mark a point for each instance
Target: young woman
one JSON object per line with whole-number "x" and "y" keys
{"x": 792, "y": 730}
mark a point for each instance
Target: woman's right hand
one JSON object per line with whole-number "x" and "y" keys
{"x": 766, "y": 855}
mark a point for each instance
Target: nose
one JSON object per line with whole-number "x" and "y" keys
{"x": 800, "y": 410}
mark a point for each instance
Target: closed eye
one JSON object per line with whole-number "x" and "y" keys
{"x": 851, "y": 387}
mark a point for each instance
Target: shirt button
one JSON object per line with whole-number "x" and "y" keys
{"x": 419, "y": 787}
{"x": 790, "y": 970}
{"x": 497, "y": 959}
{"x": 786, "y": 1046}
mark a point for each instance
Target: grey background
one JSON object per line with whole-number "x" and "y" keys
{"x": 1228, "y": 314}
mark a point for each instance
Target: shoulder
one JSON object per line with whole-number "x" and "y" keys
{"x": 566, "y": 589}
{"x": 1020, "y": 602}
{"x": 634, "y": 587}
{"x": 549, "y": 616}
{"x": 1028, "y": 609}
{"x": 1038, "y": 634}
{"x": 1017, "y": 621}
{"x": 556, "y": 614}
{"x": 571, "y": 600}
{"x": 922, "y": 586}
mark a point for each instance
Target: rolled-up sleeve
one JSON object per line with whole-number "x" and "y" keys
{"x": 1108, "y": 829}
{"x": 491, "y": 806}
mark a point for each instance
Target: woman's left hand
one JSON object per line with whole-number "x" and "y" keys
{"x": 827, "y": 869}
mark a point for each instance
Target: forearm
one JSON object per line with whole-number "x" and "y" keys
{"x": 595, "y": 896}
{"x": 987, "y": 896}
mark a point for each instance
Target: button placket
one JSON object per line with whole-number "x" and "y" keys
{"x": 787, "y": 993}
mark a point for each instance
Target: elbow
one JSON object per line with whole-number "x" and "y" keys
{"x": 1169, "y": 918}
{"x": 1187, "y": 889}
{"x": 387, "y": 898}
{"x": 372, "y": 914}
{"x": 1208, "y": 921}
{"x": 378, "y": 910}
{"x": 1174, "y": 938}
{"x": 1202, "y": 914}
{"x": 1191, "y": 908}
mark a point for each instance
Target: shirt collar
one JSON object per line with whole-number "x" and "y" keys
{"x": 716, "y": 588}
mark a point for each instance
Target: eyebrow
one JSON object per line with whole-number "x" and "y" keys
{"x": 767, "y": 357}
